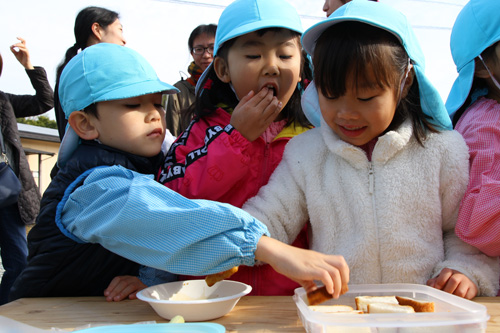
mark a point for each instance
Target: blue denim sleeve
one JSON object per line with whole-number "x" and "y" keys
{"x": 133, "y": 216}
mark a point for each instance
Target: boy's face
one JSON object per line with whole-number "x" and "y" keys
{"x": 272, "y": 60}
{"x": 135, "y": 125}
{"x": 360, "y": 115}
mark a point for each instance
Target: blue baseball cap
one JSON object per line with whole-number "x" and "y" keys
{"x": 245, "y": 16}
{"x": 476, "y": 28}
{"x": 387, "y": 18}
{"x": 103, "y": 72}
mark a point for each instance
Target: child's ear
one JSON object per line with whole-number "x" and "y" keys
{"x": 479, "y": 70}
{"x": 222, "y": 70}
{"x": 82, "y": 125}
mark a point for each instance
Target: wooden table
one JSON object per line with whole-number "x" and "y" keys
{"x": 251, "y": 314}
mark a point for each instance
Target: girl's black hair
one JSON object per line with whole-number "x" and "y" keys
{"x": 357, "y": 49}
{"x": 220, "y": 93}
{"x": 208, "y": 29}
{"x": 1, "y": 64}
{"x": 83, "y": 30}
{"x": 477, "y": 82}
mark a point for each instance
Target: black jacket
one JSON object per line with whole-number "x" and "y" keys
{"x": 59, "y": 266}
{"x": 16, "y": 106}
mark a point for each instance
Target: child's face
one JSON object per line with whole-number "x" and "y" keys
{"x": 362, "y": 114}
{"x": 272, "y": 60}
{"x": 494, "y": 66}
{"x": 135, "y": 125}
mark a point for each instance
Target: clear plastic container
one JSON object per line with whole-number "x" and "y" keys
{"x": 452, "y": 313}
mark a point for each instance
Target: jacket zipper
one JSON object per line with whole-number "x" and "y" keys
{"x": 371, "y": 189}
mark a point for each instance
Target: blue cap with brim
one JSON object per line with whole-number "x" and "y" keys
{"x": 387, "y": 18}
{"x": 476, "y": 28}
{"x": 103, "y": 72}
{"x": 245, "y": 16}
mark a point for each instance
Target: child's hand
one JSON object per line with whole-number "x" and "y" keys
{"x": 122, "y": 287}
{"x": 455, "y": 283}
{"x": 304, "y": 266}
{"x": 255, "y": 112}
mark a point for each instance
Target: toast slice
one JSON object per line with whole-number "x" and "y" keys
{"x": 363, "y": 301}
{"x": 389, "y": 308}
{"x": 214, "y": 278}
{"x": 320, "y": 295}
{"x": 418, "y": 305}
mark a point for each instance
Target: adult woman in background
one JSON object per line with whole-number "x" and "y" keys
{"x": 93, "y": 25}
{"x": 13, "y": 218}
{"x": 201, "y": 47}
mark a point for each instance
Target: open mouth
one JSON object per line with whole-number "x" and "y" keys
{"x": 273, "y": 88}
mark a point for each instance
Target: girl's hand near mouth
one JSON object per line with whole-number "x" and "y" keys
{"x": 255, "y": 112}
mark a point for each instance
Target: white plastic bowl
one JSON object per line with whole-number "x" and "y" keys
{"x": 193, "y": 299}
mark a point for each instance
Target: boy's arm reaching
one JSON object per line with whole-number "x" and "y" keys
{"x": 132, "y": 215}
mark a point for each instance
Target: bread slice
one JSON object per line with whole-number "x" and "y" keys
{"x": 418, "y": 305}
{"x": 318, "y": 296}
{"x": 336, "y": 308}
{"x": 389, "y": 308}
{"x": 363, "y": 301}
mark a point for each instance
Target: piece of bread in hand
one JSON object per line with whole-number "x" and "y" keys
{"x": 363, "y": 301}
{"x": 418, "y": 305}
{"x": 320, "y": 295}
{"x": 214, "y": 278}
{"x": 389, "y": 308}
{"x": 335, "y": 308}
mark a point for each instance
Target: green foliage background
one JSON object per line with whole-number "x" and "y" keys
{"x": 42, "y": 121}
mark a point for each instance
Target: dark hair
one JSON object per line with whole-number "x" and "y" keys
{"x": 221, "y": 93}
{"x": 477, "y": 82}
{"x": 92, "y": 110}
{"x": 208, "y": 29}
{"x": 83, "y": 30}
{"x": 357, "y": 49}
{"x": 1, "y": 64}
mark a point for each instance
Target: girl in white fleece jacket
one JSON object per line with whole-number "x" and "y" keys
{"x": 381, "y": 177}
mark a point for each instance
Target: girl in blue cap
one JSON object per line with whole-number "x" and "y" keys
{"x": 474, "y": 101}
{"x": 246, "y": 111}
{"x": 381, "y": 179}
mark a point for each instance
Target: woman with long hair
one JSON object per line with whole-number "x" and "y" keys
{"x": 93, "y": 25}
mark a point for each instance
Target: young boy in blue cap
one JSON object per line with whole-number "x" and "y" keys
{"x": 103, "y": 212}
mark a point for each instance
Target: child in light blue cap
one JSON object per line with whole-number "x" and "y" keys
{"x": 246, "y": 110}
{"x": 381, "y": 179}
{"x": 103, "y": 212}
{"x": 474, "y": 102}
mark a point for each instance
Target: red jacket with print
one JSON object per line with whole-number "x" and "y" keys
{"x": 212, "y": 160}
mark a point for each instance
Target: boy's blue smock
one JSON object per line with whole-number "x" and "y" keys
{"x": 194, "y": 237}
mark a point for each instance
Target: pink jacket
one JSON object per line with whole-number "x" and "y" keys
{"x": 478, "y": 220}
{"x": 479, "y": 217}
{"x": 211, "y": 160}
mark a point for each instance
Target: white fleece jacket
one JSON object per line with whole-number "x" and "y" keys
{"x": 393, "y": 218}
